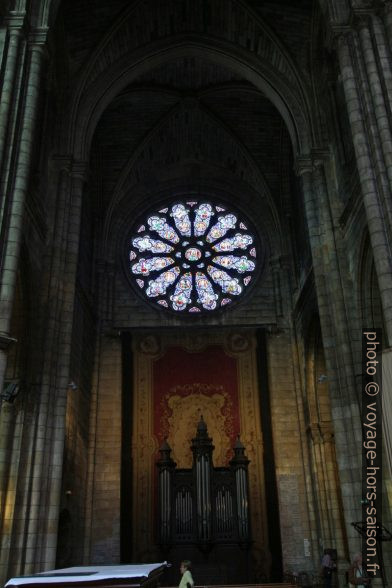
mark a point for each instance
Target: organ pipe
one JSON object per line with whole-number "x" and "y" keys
{"x": 239, "y": 464}
{"x": 202, "y": 449}
{"x": 166, "y": 466}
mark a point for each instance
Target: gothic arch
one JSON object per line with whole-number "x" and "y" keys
{"x": 122, "y": 56}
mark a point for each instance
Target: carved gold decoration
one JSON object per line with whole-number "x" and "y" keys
{"x": 185, "y": 413}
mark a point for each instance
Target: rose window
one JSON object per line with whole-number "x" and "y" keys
{"x": 193, "y": 257}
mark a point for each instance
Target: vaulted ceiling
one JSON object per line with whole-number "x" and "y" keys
{"x": 189, "y": 109}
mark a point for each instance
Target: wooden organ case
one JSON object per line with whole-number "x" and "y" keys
{"x": 203, "y": 512}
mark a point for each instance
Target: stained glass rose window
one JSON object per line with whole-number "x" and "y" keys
{"x": 192, "y": 257}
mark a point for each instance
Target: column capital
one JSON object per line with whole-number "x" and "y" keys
{"x": 303, "y": 165}
{"x": 361, "y": 18}
{"x": 62, "y": 162}
{"x": 38, "y": 36}
{"x": 342, "y": 35}
{"x": 320, "y": 157}
{"x": 311, "y": 161}
{"x": 15, "y": 22}
{"x": 74, "y": 168}
{"x": 341, "y": 31}
{"x": 79, "y": 170}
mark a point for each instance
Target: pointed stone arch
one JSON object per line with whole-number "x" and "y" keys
{"x": 133, "y": 46}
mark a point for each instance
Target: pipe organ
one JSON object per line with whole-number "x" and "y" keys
{"x": 203, "y": 506}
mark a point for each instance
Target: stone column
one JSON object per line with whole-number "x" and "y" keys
{"x": 275, "y": 271}
{"x": 333, "y": 491}
{"x": 12, "y": 63}
{"x": 333, "y": 321}
{"x": 49, "y": 443}
{"x": 316, "y": 441}
{"x": 387, "y": 17}
{"x": 304, "y": 169}
{"x": 330, "y": 242}
{"x": 19, "y": 180}
{"x": 378, "y": 112}
{"x": 381, "y": 41}
{"x": 378, "y": 230}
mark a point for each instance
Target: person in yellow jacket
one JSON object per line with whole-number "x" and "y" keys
{"x": 186, "y": 580}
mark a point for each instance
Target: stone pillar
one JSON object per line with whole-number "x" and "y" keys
{"x": 19, "y": 181}
{"x": 333, "y": 491}
{"x": 387, "y": 17}
{"x": 32, "y": 545}
{"x": 49, "y": 443}
{"x": 305, "y": 169}
{"x": 316, "y": 441}
{"x": 378, "y": 112}
{"x": 276, "y": 283}
{"x": 375, "y": 213}
{"x": 12, "y": 62}
{"x": 333, "y": 322}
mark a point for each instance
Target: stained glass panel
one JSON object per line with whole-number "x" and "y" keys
{"x": 192, "y": 232}
{"x": 182, "y": 293}
{"x": 147, "y": 243}
{"x": 145, "y": 266}
{"x": 229, "y": 285}
{"x": 241, "y": 264}
{"x": 204, "y": 288}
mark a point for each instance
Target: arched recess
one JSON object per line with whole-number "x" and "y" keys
{"x": 122, "y": 56}
{"x": 324, "y": 467}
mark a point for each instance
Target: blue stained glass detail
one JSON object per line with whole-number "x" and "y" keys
{"x": 181, "y": 219}
{"x": 182, "y": 294}
{"x": 239, "y": 241}
{"x": 229, "y": 285}
{"x": 206, "y": 293}
{"x": 147, "y": 243}
{"x": 204, "y": 213}
{"x": 221, "y": 227}
{"x": 241, "y": 264}
{"x": 160, "y": 285}
{"x": 164, "y": 230}
{"x": 145, "y": 266}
